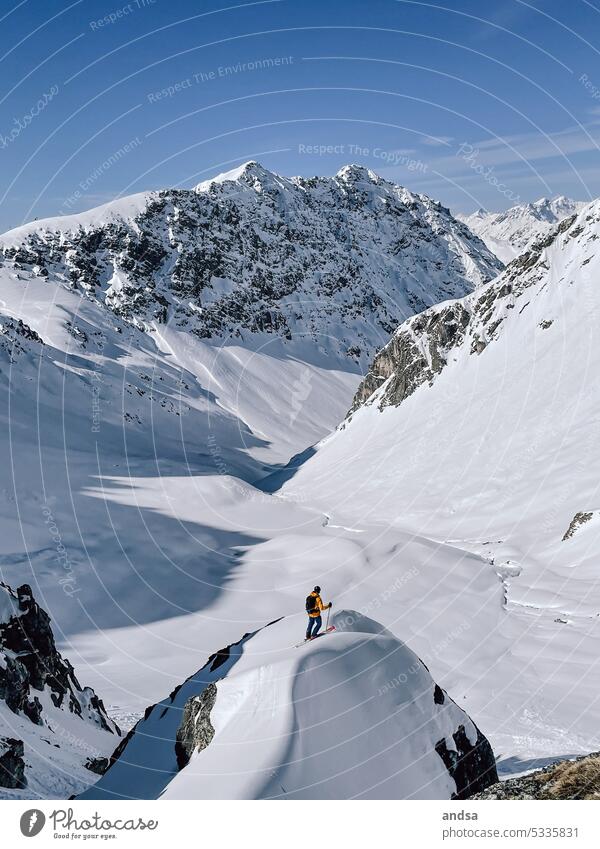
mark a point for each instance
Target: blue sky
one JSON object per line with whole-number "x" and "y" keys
{"x": 476, "y": 104}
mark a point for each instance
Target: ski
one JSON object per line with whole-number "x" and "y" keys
{"x": 322, "y": 634}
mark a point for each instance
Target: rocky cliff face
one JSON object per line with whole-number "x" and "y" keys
{"x": 337, "y": 262}
{"x": 423, "y": 345}
{"x": 39, "y": 691}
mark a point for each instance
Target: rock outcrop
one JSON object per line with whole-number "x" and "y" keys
{"x": 37, "y": 685}
{"x": 471, "y": 765}
{"x": 195, "y": 732}
{"x": 33, "y": 664}
{"x": 12, "y": 765}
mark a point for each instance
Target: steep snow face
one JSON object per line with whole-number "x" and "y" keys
{"x": 52, "y": 730}
{"x": 478, "y": 425}
{"x": 253, "y": 257}
{"x": 353, "y": 714}
{"x": 507, "y": 234}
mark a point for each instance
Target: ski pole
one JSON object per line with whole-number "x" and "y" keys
{"x": 328, "y": 612}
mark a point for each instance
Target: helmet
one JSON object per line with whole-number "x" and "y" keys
{"x": 317, "y": 589}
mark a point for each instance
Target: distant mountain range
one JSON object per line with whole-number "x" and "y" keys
{"x": 508, "y": 233}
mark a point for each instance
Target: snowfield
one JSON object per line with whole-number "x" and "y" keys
{"x": 145, "y": 497}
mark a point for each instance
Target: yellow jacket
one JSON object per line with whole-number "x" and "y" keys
{"x": 320, "y": 606}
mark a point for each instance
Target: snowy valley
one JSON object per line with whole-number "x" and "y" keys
{"x": 214, "y": 399}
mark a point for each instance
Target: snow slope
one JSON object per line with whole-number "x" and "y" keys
{"x": 508, "y": 233}
{"x": 477, "y": 426}
{"x": 353, "y": 714}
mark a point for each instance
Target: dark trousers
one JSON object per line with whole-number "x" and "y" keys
{"x": 314, "y": 626}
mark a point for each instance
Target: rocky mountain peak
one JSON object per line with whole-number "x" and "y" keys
{"x": 251, "y": 175}
{"x": 358, "y": 173}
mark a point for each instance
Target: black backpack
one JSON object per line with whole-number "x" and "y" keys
{"x": 311, "y": 603}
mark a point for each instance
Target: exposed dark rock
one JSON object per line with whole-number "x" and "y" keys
{"x": 438, "y": 695}
{"x": 12, "y": 333}
{"x": 195, "y": 732}
{"x": 97, "y": 765}
{"x": 12, "y": 765}
{"x": 32, "y": 662}
{"x": 473, "y": 767}
{"x": 577, "y": 521}
{"x": 414, "y": 355}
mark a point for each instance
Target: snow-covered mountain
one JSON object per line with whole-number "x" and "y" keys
{"x": 53, "y": 732}
{"x": 150, "y": 406}
{"x": 508, "y": 233}
{"x": 160, "y": 354}
{"x": 477, "y": 427}
{"x": 333, "y": 262}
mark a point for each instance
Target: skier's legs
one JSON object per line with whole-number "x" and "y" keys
{"x": 314, "y": 623}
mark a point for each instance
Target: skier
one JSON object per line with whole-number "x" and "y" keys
{"x": 314, "y": 606}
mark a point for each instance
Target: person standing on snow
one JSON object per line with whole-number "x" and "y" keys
{"x": 314, "y": 606}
